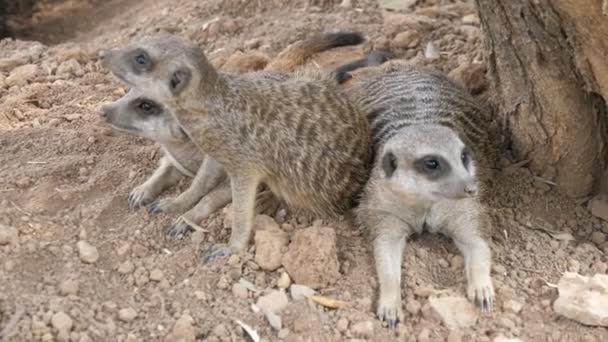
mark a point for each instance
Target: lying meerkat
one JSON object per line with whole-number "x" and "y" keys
{"x": 134, "y": 113}
{"x": 303, "y": 138}
{"x": 432, "y": 157}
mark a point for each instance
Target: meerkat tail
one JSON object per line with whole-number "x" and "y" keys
{"x": 342, "y": 73}
{"x": 298, "y": 53}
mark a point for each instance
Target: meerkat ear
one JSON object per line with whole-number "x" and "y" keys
{"x": 389, "y": 163}
{"x": 179, "y": 80}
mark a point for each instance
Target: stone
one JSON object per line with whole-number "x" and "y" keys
{"x": 273, "y": 302}
{"x": 598, "y": 237}
{"x": 126, "y": 267}
{"x": 70, "y": 67}
{"x": 127, "y": 314}
{"x": 283, "y": 333}
{"x": 363, "y": 329}
{"x": 269, "y": 244}
{"x": 68, "y": 287}
{"x": 583, "y": 299}
{"x": 513, "y": 305}
{"x": 312, "y": 259}
{"x": 413, "y": 307}
{"x": 72, "y": 117}
{"x": 156, "y": 275}
{"x": 454, "y": 312}
{"x": 8, "y": 235}
{"x": 431, "y": 52}
{"x": 342, "y": 325}
{"x": 274, "y": 320}
{"x": 406, "y": 40}
{"x": 183, "y": 330}
{"x": 62, "y": 322}
{"x": 22, "y": 75}
{"x": 472, "y": 76}
{"x": 88, "y": 253}
{"x": 471, "y": 19}
{"x": 284, "y": 281}
{"x": 239, "y": 291}
{"x": 300, "y": 292}
{"x": 599, "y": 207}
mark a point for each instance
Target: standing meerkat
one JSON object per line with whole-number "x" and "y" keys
{"x": 303, "y": 138}
{"x": 210, "y": 189}
{"x": 432, "y": 157}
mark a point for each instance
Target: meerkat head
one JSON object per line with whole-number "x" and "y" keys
{"x": 428, "y": 162}
{"x": 137, "y": 114}
{"x": 162, "y": 66}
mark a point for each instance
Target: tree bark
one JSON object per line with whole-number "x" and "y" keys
{"x": 548, "y": 71}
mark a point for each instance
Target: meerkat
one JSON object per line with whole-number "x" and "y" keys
{"x": 303, "y": 138}
{"x": 134, "y": 113}
{"x": 432, "y": 157}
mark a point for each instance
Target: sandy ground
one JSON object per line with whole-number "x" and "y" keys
{"x": 65, "y": 178}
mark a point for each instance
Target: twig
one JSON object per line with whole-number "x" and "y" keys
{"x": 36, "y": 162}
{"x": 19, "y": 208}
{"x": 7, "y": 332}
{"x": 545, "y": 180}
{"x": 194, "y": 225}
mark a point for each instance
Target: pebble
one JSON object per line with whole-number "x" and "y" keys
{"x": 274, "y": 320}
{"x": 87, "y": 252}
{"x": 300, "y": 292}
{"x": 455, "y": 312}
{"x": 363, "y": 329}
{"x": 72, "y": 117}
{"x": 239, "y": 291}
{"x": 283, "y": 333}
{"x": 269, "y": 245}
{"x": 70, "y": 68}
{"x": 583, "y": 299}
{"x": 406, "y": 40}
{"x": 431, "y": 52}
{"x": 22, "y": 75}
{"x": 284, "y": 281}
{"x": 183, "y": 330}
{"x": 413, "y": 306}
{"x": 499, "y": 269}
{"x": 62, "y": 322}
{"x": 220, "y": 330}
{"x": 599, "y": 206}
{"x": 68, "y": 287}
{"x": 312, "y": 258}
{"x": 598, "y": 237}
{"x": 8, "y": 235}
{"x": 273, "y": 302}
{"x": 156, "y": 275}
{"x": 342, "y": 325}
{"x": 470, "y": 19}
{"x": 127, "y": 314}
{"x": 513, "y": 305}
{"x": 126, "y": 267}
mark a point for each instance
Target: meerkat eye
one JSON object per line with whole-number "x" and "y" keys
{"x": 146, "y": 107}
{"x": 389, "y": 163}
{"x": 141, "y": 59}
{"x": 431, "y": 164}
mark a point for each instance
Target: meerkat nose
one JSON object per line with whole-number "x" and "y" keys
{"x": 102, "y": 54}
{"x": 103, "y": 111}
{"x": 470, "y": 189}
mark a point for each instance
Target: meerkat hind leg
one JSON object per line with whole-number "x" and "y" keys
{"x": 163, "y": 177}
{"x": 214, "y": 200}
{"x": 389, "y": 244}
{"x": 244, "y": 189}
{"x": 207, "y": 177}
{"x": 460, "y": 220}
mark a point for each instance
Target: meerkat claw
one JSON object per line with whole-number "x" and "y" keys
{"x": 154, "y": 208}
{"x": 214, "y": 252}
{"x": 179, "y": 229}
{"x": 137, "y": 198}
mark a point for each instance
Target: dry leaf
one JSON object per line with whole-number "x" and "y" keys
{"x": 328, "y": 302}
{"x": 561, "y": 236}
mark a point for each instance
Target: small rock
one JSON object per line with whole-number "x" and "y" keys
{"x": 127, "y": 314}
{"x": 413, "y": 306}
{"x": 8, "y": 235}
{"x": 300, "y": 292}
{"x": 156, "y": 275}
{"x": 239, "y": 291}
{"x": 431, "y": 52}
{"x": 598, "y": 237}
{"x": 183, "y": 330}
{"x": 283, "y": 333}
{"x": 583, "y": 299}
{"x": 406, "y": 40}
{"x": 455, "y": 312}
{"x": 363, "y": 329}
{"x": 70, "y": 68}
{"x": 342, "y": 325}
{"x": 274, "y": 320}
{"x": 87, "y": 252}
{"x": 126, "y": 267}
{"x": 220, "y": 330}
{"x": 72, "y": 117}
{"x": 513, "y": 305}
{"x": 273, "y": 302}
{"x": 62, "y": 322}
{"x": 312, "y": 259}
{"x": 253, "y": 43}
{"x": 470, "y": 19}
{"x": 269, "y": 244}
{"x": 68, "y": 287}
{"x": 599, "y": 207}
{"x": 22, "y": 75}
{"x": 284, "y": 281}
{"x": 472, "y": 76}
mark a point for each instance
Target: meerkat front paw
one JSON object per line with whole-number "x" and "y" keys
{"x": 165, "y": 205}
{"x": 140, "y": 196}
{"x": 481, "y": 291}
{"x": 179, "y": 229}
{"x": 389, "y": 310}
{"x": 214, "y": 252}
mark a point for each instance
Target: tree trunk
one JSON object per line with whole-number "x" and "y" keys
{"x": 549, "y": 71}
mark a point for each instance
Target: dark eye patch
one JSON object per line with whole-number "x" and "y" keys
{"x": 146, "y": 107}
{"x": 466, "y": 157}
{"x": 432, "y": 166}
{"x": 140, "y": 60}
{"x": 389, "y": 163}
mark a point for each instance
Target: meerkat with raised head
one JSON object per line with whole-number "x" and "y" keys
{"x": 303, "y": 138}
{"x": 134, "y": 113}
{"x": 432, "y": 155}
